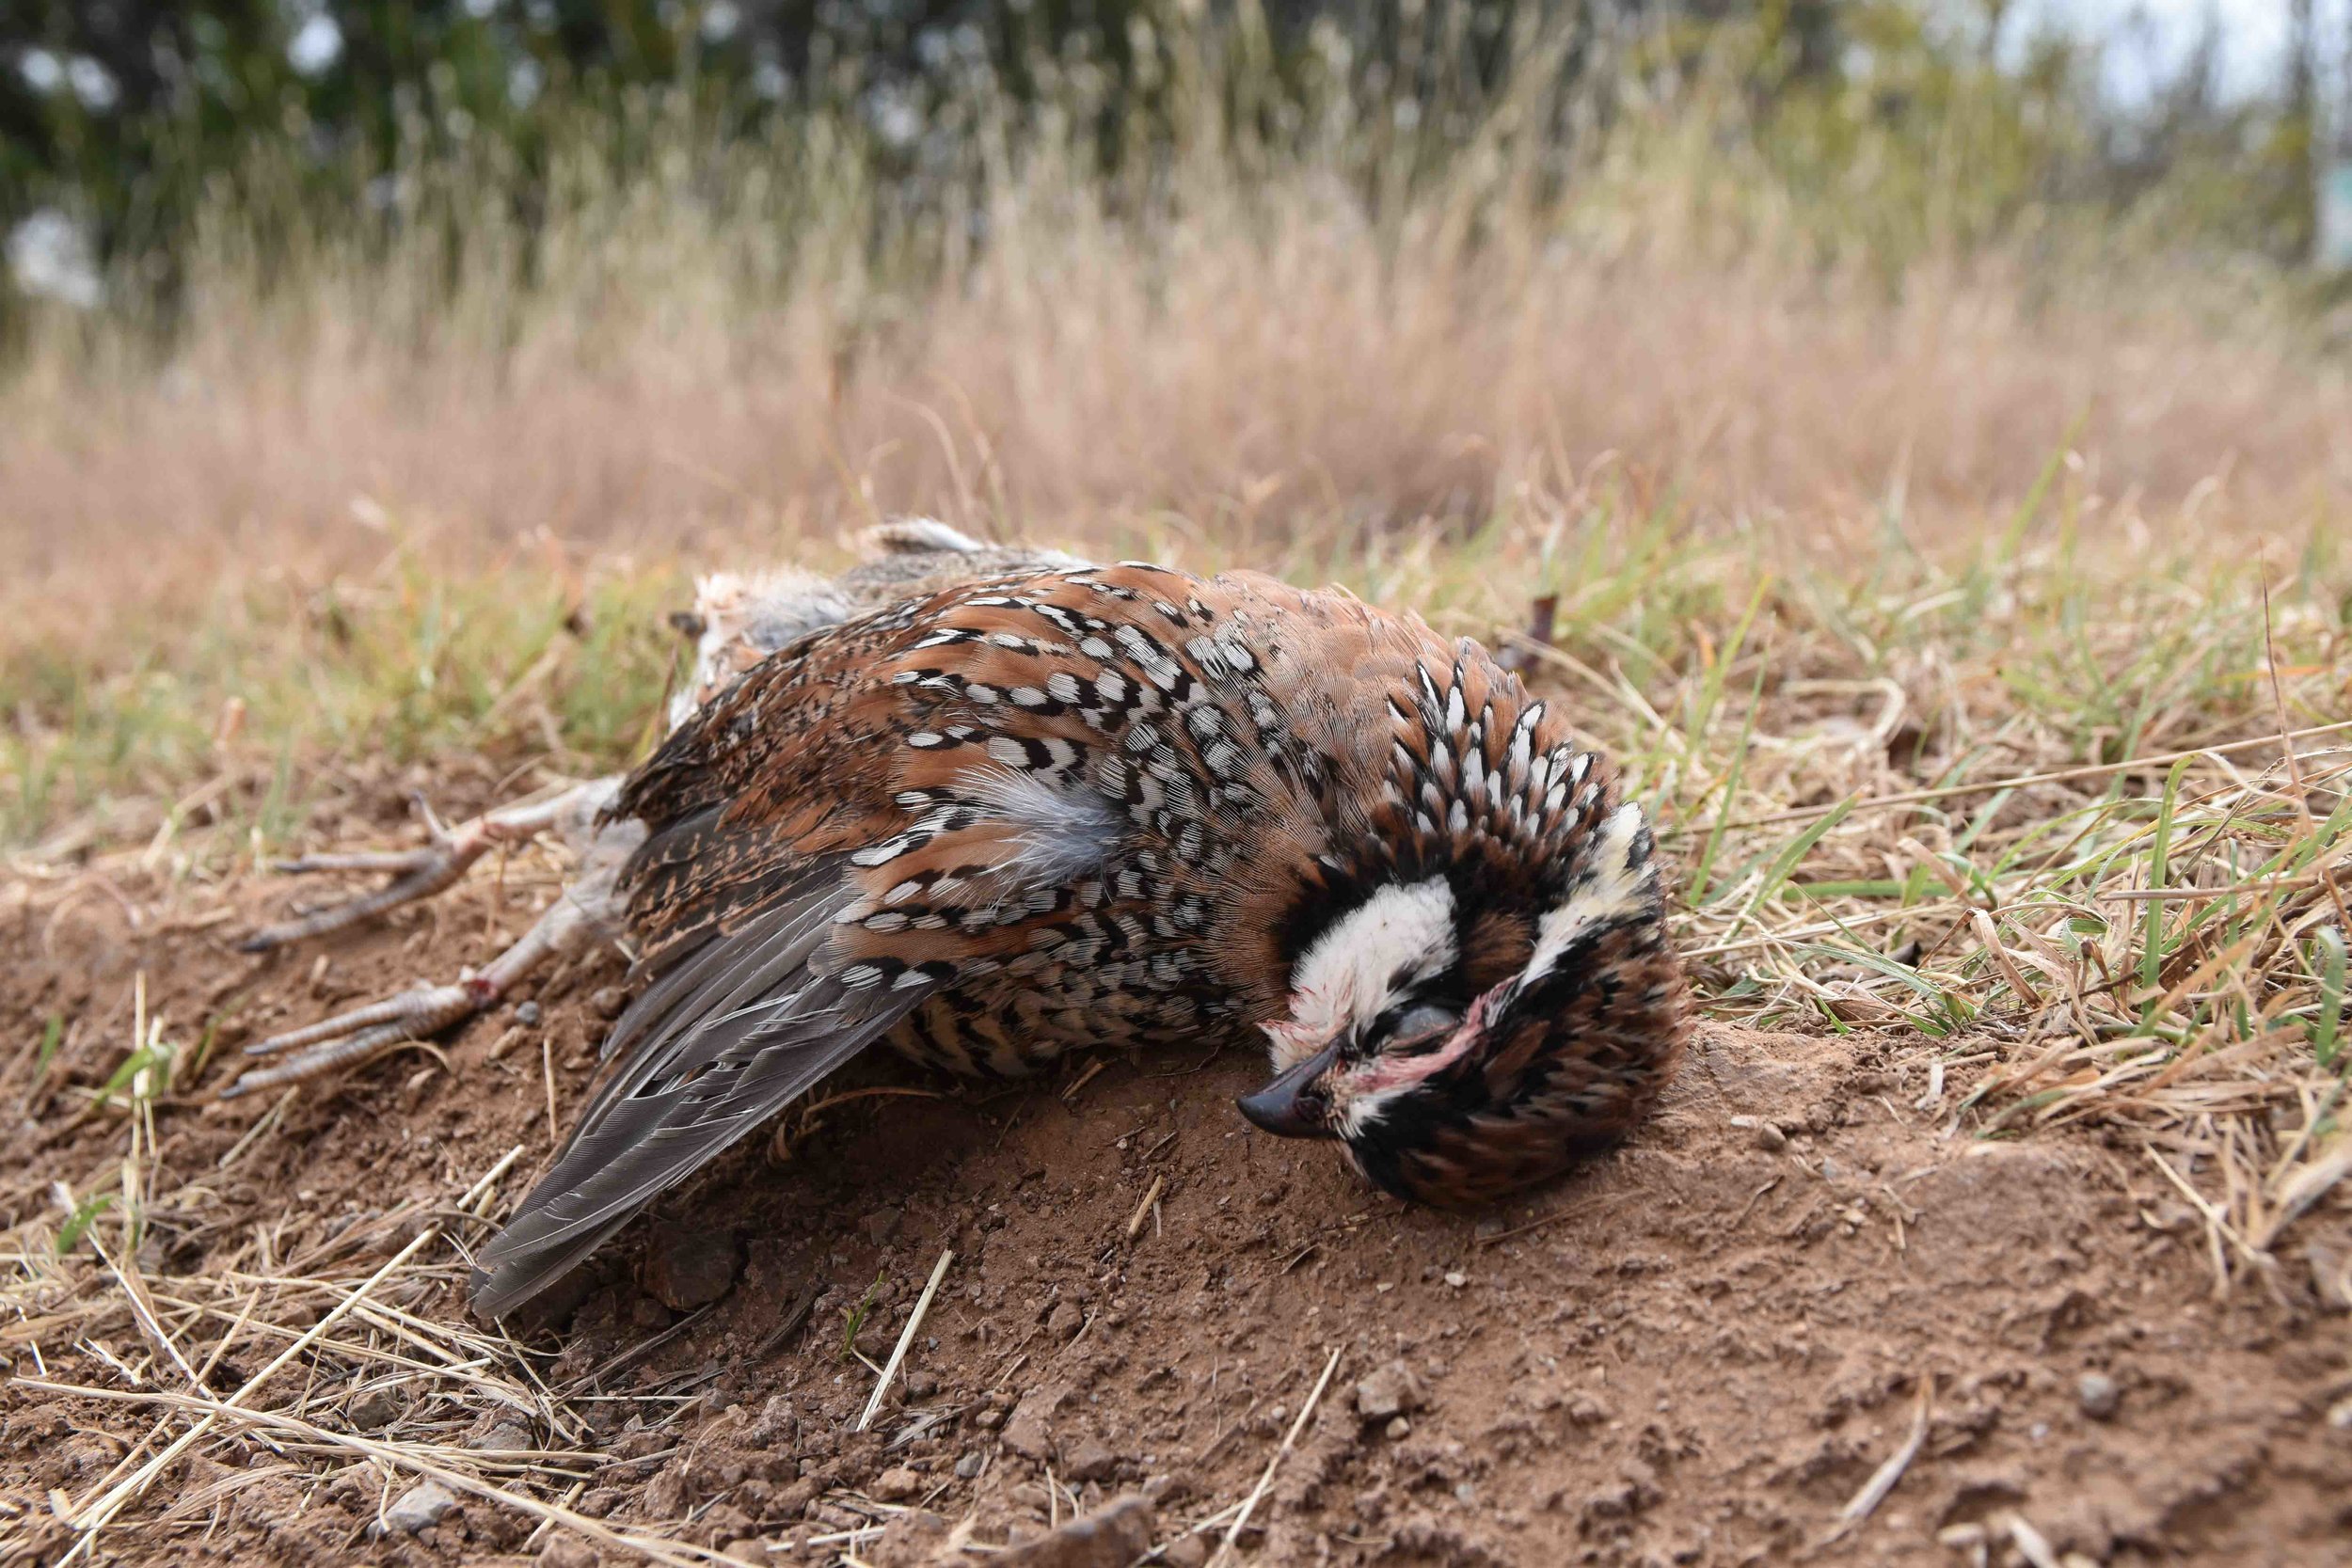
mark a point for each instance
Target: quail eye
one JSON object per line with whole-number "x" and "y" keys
{"x": 1423, "y": 1023}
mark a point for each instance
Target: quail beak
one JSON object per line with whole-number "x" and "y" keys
{"x": 1288, "y": 1107}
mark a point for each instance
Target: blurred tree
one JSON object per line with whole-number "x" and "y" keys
{"x": 128, "y": 116}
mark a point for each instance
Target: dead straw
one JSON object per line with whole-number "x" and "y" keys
{"x": 1290, "y": 1440}
{"x": 906, "y": 1338}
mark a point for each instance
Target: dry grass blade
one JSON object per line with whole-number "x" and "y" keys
{"x": 673, "y": 1553}
{"x": 906, "y": 1338}
{"x": 1143, "y": 1210}
{"x": 1865, "y": 1503}
{"x": 90, "y": 1517}
{"x": 1290, "y": 1440}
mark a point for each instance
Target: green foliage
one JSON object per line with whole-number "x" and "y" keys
{"x": 2328, "y": 963}
{"x": 164, "y": 127}
{"x": 854, "y": 1318}
{"x": 77, "y": 1224}
{"x": 410, "y": 666}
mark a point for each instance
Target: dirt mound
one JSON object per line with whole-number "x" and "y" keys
{"x": 1701, "y": 1350}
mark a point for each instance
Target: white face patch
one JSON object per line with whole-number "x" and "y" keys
{"x": 1616, "y": 889}
{"x": 1365, "y": 964}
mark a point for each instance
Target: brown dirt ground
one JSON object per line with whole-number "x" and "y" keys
{"x": 1704, "y": 1350}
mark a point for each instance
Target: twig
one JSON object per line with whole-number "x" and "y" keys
{"x": 1882, "y": 1481}
{"x": 906, "y": 1338}
{"x": 546, "y": 1073}
{"x": 1070, "y": 1095}
{"x": 480, "y": 1191}
{"x": 1250, "y": 1504}
{"x": 2031, "y": 1544}
{"x": 1143, "y": 1210}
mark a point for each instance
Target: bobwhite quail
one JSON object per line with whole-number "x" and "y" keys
{"x": 1064, "y": 808}
{"x": 736, "y": 621}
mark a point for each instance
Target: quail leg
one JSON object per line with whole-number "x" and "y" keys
{"x": 420, "y": 873}
{"x": 586, "y": 910}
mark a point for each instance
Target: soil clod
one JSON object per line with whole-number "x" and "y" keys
{"x": 687, "y": 1269}
{"x": 1387, "y": 1391}
{"x": 1111, "y": 1537}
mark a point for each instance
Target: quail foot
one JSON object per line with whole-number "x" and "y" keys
{"x": 736, "y": 621}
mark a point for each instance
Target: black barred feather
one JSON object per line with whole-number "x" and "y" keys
{"x": 1048, "y": 810}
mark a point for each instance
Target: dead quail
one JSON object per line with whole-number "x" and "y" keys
{"x": 1083, "y": 806}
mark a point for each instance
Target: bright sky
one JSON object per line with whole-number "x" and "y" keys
{"x": 2150, "y": 38}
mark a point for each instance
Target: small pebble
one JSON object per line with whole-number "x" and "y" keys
{"x": 1398, "y": 1429}
{"x": 1388, "y": 1390}
{"x": 528, "y": 1015}
{"x": 375, "y": 1409}
{"x": 1090, "y": 1460}
{"x": 506, "y": 1437}
{"x": 1456, "y": 1280}
{"x": 425, "y": 1504}
{"x": 2100, "y": 1396}
{"x": 969, "y": 1466}
{"x": 1770, "y": 1138}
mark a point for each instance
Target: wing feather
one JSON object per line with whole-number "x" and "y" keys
{"x": 730, "y": 1035}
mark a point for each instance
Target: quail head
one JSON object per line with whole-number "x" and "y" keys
{"x": 1064, "y": 808}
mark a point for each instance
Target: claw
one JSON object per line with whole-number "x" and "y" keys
{"x": 426, "y": 1011}
{"x": 362, "y": 1034}
{"x": 364, "y": 860}
{"x": 428, "y": 871}
{"x": 364, "y": 1046}
{"x": 421, "y": 872}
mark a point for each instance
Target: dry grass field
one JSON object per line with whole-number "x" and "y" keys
{"x": 1979, "y": 629}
